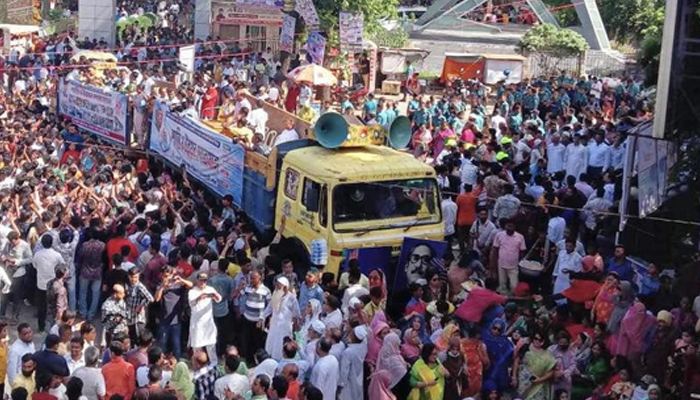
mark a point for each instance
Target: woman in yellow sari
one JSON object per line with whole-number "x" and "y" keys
{"x": 427, "y": 377}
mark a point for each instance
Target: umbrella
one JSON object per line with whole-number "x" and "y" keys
{"x": 314, "y": 74}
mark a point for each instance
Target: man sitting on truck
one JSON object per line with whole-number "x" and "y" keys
{"x": 287, "y": 135}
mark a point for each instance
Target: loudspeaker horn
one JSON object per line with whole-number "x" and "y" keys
{"x": 400, "y": 133}
{"x": 331, "y": 130}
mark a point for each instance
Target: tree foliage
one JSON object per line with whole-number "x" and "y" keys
{"x": 547, "y": 38}
{"x": 629, "y": 20}
{"x": 396, "y": 38}
{"x": 372, "y": 11}
{"x": 564, "y": 12}
{"x": 650, "y": 45}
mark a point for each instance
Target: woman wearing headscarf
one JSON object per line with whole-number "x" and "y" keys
{"x": 477, "y": 357}
{"x": 448, "y": 332}
{"x": 622, "y": 302}
{"x": 379, "y": 386}
{"x": 604, "y": 301}
{"x": 457, "y": 382}
{"x": 182, "y": 381}
{"x": 500, "y": 351}
{"x": 311, "y": 314}
{"x": 377, "y": 330}
{"x": 427, "y": 377}
{"x": 376, "y": 279}
{"x": 633, "y": 331}
{"x": 390, "y": 360}
{"x": 413, "y": 339}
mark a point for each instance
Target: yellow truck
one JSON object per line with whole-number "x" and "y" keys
{"x": 344, "y": 186}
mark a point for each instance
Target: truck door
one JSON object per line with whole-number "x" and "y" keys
{"x": 314, "y": 207}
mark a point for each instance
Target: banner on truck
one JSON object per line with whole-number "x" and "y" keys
{"x": 102, "y": 112}
{"x": 209, "y": 157}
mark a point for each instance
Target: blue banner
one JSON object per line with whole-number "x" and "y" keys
{"x": 209, "y": 157}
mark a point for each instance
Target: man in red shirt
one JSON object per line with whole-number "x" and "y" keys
{"x": 209, "y": 101}
{"x": 114, "y": 246}
{"x": 118, "y": 374}
{"x": 466, "y": 213}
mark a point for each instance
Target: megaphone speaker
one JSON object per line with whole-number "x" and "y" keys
{"x": 400, "y": 133}
{"x": 331, "y": 130}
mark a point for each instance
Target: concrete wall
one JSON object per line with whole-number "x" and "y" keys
{"x": 97, "y": 20}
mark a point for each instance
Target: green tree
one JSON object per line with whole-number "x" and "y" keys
{"x": 627, "y": 20}
{"x": 650, "y": 45}
{"x": 552, "y": 45}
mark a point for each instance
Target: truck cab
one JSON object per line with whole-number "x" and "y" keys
{"x": 356, "y": 197}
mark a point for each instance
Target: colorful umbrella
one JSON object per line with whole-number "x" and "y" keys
{"x": 313, "y": 74}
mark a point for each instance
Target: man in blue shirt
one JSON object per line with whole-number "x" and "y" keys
{"x": 310, "y": 289}
{"x": 621, "y": 265}
{"x": 71, "y": 135}
{"x": 370, "y": 106}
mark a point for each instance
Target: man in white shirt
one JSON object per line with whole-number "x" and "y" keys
{"x": 326, "y": 372}
{"x": 355, "y": 290}
{"x": 45, "y": 261}
{"x": 598, "y": 156}
{"x": 497, "y": 119}
{"x": 273, "y": 94}
{"x": 236, "y": 383}
{"x": 568, "y": 261}
{"x": 75, "y": 358}
{"x": 287, "y": 135}
{"x": 449, "y": 215}
{"x": 352, "y": 365}
{"x": 93, "y": 381}
{"x": 334, "y": 317}
{"x": 23, "y": 345}
{"x": 258, "y": 118}
{"x": 555, "y": 155}
{"x": 241, "y": 103}
{"x": 576, "y": 158}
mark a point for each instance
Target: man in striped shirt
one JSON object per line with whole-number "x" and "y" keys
{"x": 254, "y": 299}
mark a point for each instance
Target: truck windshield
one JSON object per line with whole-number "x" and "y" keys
{"x": 405, "y": 203}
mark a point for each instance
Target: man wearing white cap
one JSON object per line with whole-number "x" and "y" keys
{"x": 352, "y": 365}
{"x": 283, "y": 308}
{"x": 316, "y": 331}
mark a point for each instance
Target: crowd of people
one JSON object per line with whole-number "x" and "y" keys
{"x": 146, "y": 285}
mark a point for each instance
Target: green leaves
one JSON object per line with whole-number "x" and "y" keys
{"x": 372, "y": 11}
{"x": 396, "y": 38}
{"x": 547, "y": 38}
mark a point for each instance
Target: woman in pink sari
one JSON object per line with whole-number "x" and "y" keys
{"x": 442, "y": 136}
{"x": 379, "y": 386}
{"x": 633, "y": 330}
{"x": 378, "y": 329}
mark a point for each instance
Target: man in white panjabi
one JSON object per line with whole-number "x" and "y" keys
{"x": 283, "y": 309}
{"x": 326, "y": 372}
{"x": 202, "y": 327}
{"x": 352, "y": 365}
{"x": 576, "y": 158}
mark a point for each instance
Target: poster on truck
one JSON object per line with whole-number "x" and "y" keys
{"x": 96, "y": 110}
{"x": 208, "y": 156}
